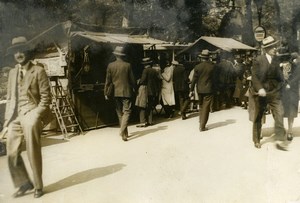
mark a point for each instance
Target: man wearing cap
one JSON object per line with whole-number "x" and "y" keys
{"x": 28, "y": 100}
{"x": 204, "y": 79}
{"x": 119, "y": 74}
{"x": 267, "y": 81}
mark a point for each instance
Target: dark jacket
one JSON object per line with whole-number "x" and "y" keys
{"x": 180, "y": 79}
{"x": 267, "y": 76}
{"x": 151, "y": 79}
{"x": 120, "y": 74}
{"x": 204, "y": 77}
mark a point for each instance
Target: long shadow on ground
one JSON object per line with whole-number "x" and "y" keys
{"x": 221, "y": 124}
{"x": 83, "y": 177}
{"x": 145, "y": 131}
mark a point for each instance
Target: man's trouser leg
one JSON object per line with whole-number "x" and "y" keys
{"x": 15, "y": 161}
{"x": 32, "y": 129}
{"x": 260, "y": 107}
{"x": 205, "y": 109}
{"x": 277, "y": 111}
{"x": 127, "y": 104}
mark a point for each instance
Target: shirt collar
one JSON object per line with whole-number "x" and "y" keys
{"x": 269, "y": 57}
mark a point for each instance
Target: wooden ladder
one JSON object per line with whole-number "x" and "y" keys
{"x": 63, "y": 108}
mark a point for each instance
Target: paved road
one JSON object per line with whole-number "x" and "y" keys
{"x": 170, "y": 162}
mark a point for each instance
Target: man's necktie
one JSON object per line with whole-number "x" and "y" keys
{"x": 21, "y": 74}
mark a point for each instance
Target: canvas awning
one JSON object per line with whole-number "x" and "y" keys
{"x": 213, "y": 43}
{"x": 117, "y": 38}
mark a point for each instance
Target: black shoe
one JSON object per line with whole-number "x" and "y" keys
{"x": 257, "y": 145}
{"x": 289, "y": 137}
{"x": 38, "y": 193}
{"x": 184, "y": 117}
{"x": 124, "y": 137}
{"x": 23, "y": 189}
{"x": 203, "y": 129}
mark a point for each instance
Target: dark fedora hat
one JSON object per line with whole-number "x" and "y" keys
{"x": 119, "y": 51}
{"x": 204, "y": 53}
{"x": 146, "y": 61}
{"x": 18, "y": 44}
{"x": 269, "y": 42}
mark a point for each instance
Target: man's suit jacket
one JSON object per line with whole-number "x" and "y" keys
{"x": 267, "y": 76}
{"x": 38, "y": 92}
{"x": 180, "y": 79}
{"x": 120, "y": 74}
{"x": 150, "y": 78}
{"x": 203, "y": 77}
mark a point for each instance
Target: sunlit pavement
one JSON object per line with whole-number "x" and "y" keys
{"x": 170, "y": 161}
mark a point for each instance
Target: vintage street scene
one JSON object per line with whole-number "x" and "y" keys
{"x": 157, "y": 101}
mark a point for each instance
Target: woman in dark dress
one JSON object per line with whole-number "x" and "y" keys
{"x": 290, "y": 95}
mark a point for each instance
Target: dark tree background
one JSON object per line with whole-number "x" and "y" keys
{"x": 172, "y": 20}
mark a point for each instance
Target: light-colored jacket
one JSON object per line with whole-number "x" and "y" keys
{"x": 167, "y": 89}
{"x": 38, "y": 92}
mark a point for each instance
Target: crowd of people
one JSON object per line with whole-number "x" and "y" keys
{"x": 263, "y": 84}
{"x": 266, "y": 83}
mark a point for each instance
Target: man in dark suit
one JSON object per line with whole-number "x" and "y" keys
{"x": 28, "y": 100}
{"x": 225, "y": 77}
{"x": 181, "y": 87}
{"x": 119, "y": 74}
{"x": 203, "y": 78}
{"x": 151, "y": 80}
{"x": 267, "y": 81}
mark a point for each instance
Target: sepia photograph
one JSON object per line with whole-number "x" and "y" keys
{"x": 149, "y": 101}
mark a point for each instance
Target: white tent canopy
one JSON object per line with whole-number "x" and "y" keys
{"x": 213, "y": 43}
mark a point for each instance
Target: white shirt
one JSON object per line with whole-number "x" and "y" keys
{"x": 269, "y": 57}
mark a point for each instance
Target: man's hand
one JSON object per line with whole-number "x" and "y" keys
{"x": 262, "y": 92}
{"x": 287, "y": 86}
{"x": 191, "y": 94}
{"x": 3, "y": 132}
{"x": 106, "y": 97}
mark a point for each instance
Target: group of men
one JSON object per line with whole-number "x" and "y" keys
{"x": 28, "y": 100}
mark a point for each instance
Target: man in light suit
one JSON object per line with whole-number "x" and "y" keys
{"x": 204, "y": 79}
{"x": 28, "y": 100}
{"x": 267, "y": 81}
{"x": 119, "y": 74}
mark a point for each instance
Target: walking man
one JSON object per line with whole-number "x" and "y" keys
{"x": 204, "y": 78}
{"x": 120, "y": 77}
{"x": 181, "y": 87}
{"x": 267, "y": 82}
{"x": 28, "y": 100}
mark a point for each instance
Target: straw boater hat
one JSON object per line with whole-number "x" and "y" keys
{"x": 18, "y": 44}
{"x": 119, "y": 51}
{"x": 146, "y": 61}
{"x": 204, "y": 53}
{"x": 268, "y": 42}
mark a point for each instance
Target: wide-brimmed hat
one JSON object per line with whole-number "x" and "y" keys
{"x": 146, "y": 61}
{"x": 204, "y": 53}
{"x": 268, "y": 42}
{"x": 119, "y": 51}
{"x": 18, "y": 44}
